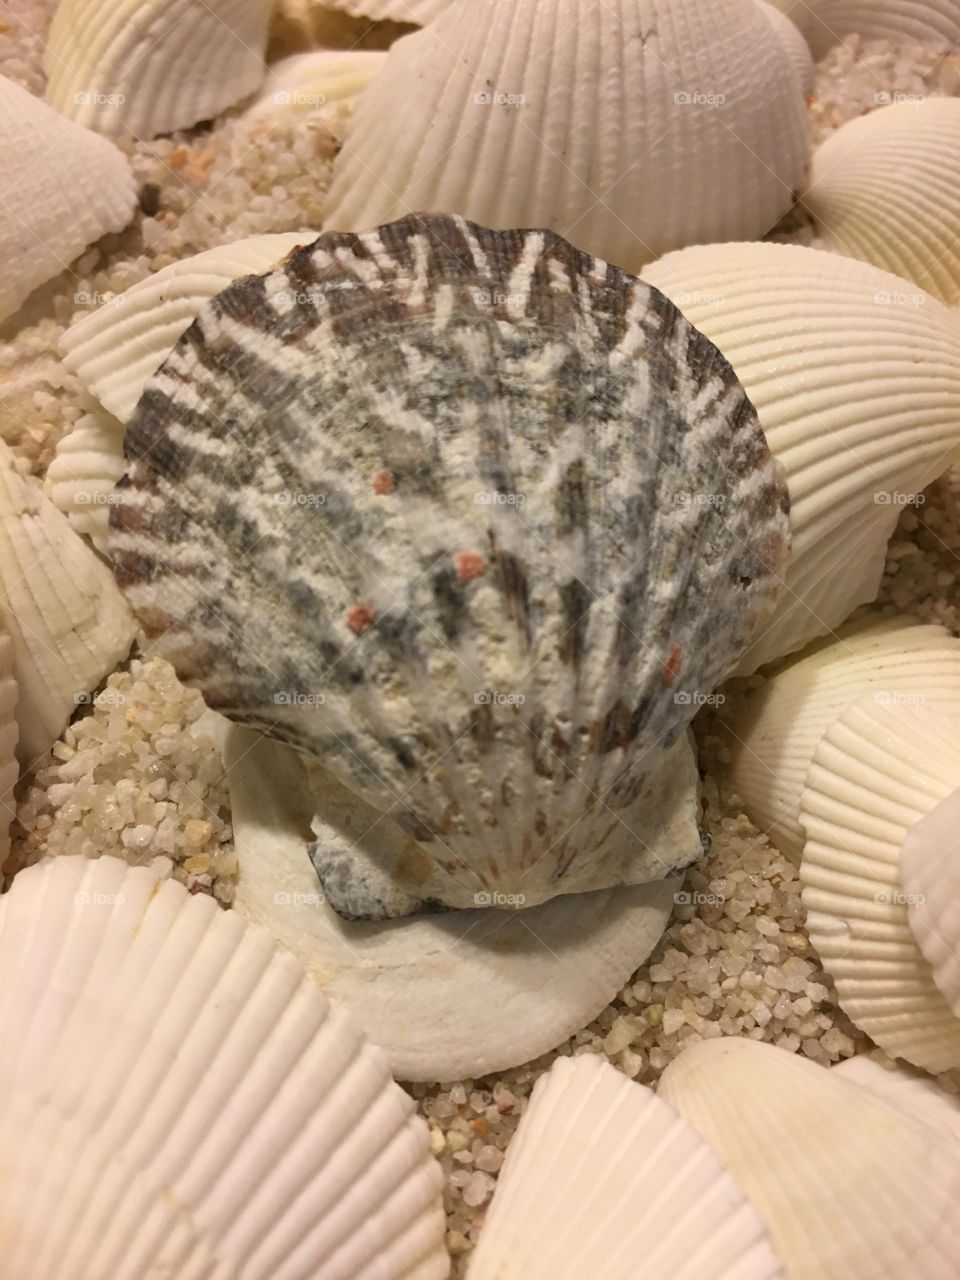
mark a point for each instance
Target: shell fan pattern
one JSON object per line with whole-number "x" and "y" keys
{"x": 469, "y": 516}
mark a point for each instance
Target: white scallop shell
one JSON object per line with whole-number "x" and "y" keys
{"x": 794, "y": 44}
{"x": 604, "y": 1179}
{"x": 905, "y": 1088}
{"x": 776, "y": 730}
{"x": 87, "y": 464}
{"x": 416, "y": 12}
{"x": 305, "y": 83}
{"x": 876, "y": 771}
{"x": 179, "y": 1099}
{"x": 826, "y": 22}
{"x": 699, "y": 143}
{"x": 63, "y": 188}
{"x": 930, "y": 872}
{"x": 9, "y": 768}
{"x": 451, "y": 995}
{"x": 855, "y": 376}
{"x": 850, "y": 1187}
{"x": 68, "y": 623}
{"x": 884, "y": 188}
{"x": 114, "y": 350}
{"x": 151, "y": 66}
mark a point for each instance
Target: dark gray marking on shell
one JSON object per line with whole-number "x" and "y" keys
{"x": 536, "y": 417}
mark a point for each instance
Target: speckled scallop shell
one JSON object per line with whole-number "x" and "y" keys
{"x": 876, "y": 771}
{"x": 495, "y": 987}
{"x": 115, "y": 349}
{"x": 850, "y": 1186}
{"x": 148, "y": 67}
{"x": 475, "y": 520}
{"x": 603, "y": 1178}
{"x": 855, "y": 376}
{"x": 826, "y": 22}
{"x": 930, "y": 873}
{"x": 638, "y": 127}
{"x": 179, "y": 1099}
{"x": 777, "y": 727}
{"x": 886, "y": 188}
{"x": 794, "y": 44}
{"x": 68, "y": 623}
{"x": 9, "y": 768}
{"x": 63, "y": 188}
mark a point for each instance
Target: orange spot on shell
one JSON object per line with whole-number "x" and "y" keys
{"x": 672, "y": 665}
{"x": 470, "y": 565}
{"x": 383, "y": 483}
{"x": 361, "y": 618}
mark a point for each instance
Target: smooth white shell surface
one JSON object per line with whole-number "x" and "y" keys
{"x": 850, "y": 1187}
{"x": 776, "y": 731}
{"x": 630, "y": 128}
{"x": 118, "y": 347}
{"x": 87, "y": 464}
{"x": 151, "y": 66}
{"x": 930, "y": 872}
{"x": 447, "y": 996}
{"x": 876, "y": 771}
{"x": 826, "y": 22}
{"x": 180, "y": 1101}
{"x": 601, "y": 1177}
{"x": 855, "y": 376}
{"x": 885, "y": 188}
{"x": 905, "y": 1088}
{"x": 68, "y": 623}
{"x": 63, "y": 188}
{"x": 9, "y": 768}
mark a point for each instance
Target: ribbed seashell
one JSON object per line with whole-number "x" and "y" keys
{"x": 776, "y": 731}
{"x": 115, "y": 349}
{"x": 495, "y": 987}
{"x": 603, "y": 1178}
{"x": 826, "y": 22}
{"x": 63, "y": 188}
{"x": 9, "y": 768}
{"x": 303, "y": 26}
{"x": 699, "y": 143}
{"x": 416, "y": 12}
{"x": 850, "y": 1187}
{"x": 86, "y": 466}
{"x": 855, "y": 376}
{"x": 180, "y": 1099}
{"x": 930, "y": 873}
{"x": 68, "y": 623}
{"x": 905, "y": 1088}
{"x": 884, "y": 188}
{"x": 308, "y": 82}
{"x": 148, "y": 67}
{"x": 794, "y": 44}
{"x": 877, "y": 770}
{"x": 502, "y": 599}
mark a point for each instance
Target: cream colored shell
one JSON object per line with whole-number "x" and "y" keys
{"x": 87, "y": 464}
{"x": 887, "y": 761}
{"x": 826, "y": 22}
{"x": 856, "y": 379}
{"x": 63, "y": 188}
{"x": 905, "y": 1088}
{"x": 930, "y": 872}
{"x": 448, "y": 995}
{"x": 306, "y": 83}
{"x": 180, "y": 1100}
{"x": 775, "y": 731}
{"x": 9, "y": 768}
{"x": 148, "y": 67}
{"x": 114, "y": 350}
{"x": 604, "y": 1179}
{"x": 637, "y": 127}
{"x": 68, "y": 623}
{"x": 885, "y": 188}
{"x": 850, "y": 1186}
{"x": 416, "y": 12}
{"x": 794, "y": 44}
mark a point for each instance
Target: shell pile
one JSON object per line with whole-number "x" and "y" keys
{"x": 557, "y": 389}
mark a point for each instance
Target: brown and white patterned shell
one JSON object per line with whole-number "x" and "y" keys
{"x": 472, "y": 518}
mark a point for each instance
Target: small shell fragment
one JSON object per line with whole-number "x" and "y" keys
{"x": 178, "y": 1098}
{"x": 306, "y": 83}
{"x": 930, "y": 872}
{"x": 63, "y": 189}
{"x": 86, "y": 466}
{"x": 827, "y": 22}
{"x": 148, "y": 67}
